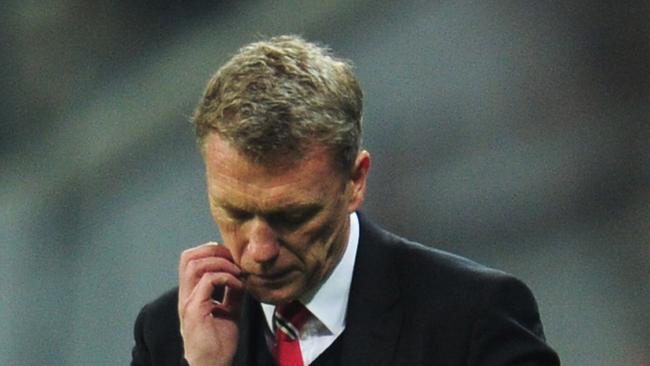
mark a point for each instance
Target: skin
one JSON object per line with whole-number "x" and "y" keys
{"x": 285, "y": 227}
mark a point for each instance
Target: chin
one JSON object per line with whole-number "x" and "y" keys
{"x": 274, "y": 296}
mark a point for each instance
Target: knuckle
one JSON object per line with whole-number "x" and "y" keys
{"x": 185, "y": 257}
{"x": 187, "y": 252}
{"x": 191, "y": 265}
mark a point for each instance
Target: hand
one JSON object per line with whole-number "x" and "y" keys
{"x": 209, "y": 329}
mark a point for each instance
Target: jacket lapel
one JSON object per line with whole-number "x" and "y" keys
{"x": 374, "y": 310}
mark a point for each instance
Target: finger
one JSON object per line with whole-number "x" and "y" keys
{"x": 198, "y": 308}
{"x": 199, "y": 266}
{"x": 210, "y": 249}
{"x": 196, "y": 268}
{"x": 201, "y": 295}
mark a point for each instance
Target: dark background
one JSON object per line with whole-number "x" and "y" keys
{"x": 514, "y": 133}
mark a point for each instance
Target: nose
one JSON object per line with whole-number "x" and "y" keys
{"x": 263, "y": 246}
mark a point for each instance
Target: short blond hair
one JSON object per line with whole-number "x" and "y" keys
{"x": 276, "y": 98}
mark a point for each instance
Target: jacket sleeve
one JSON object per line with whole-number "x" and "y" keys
{"x": 509, "y": 330}
{"x": 140, "y": 353}
{"x": 158, "y": 341}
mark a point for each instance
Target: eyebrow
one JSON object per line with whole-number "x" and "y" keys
{"x": 293, "y": 207}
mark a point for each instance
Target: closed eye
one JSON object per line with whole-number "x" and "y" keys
{"x": 237, "y": 214}
{"x": 293, "y": 218}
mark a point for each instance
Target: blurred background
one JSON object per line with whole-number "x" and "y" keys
{"x": 513, "y": 133}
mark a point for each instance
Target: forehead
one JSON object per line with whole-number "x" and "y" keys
{"x": 234, "y": 177}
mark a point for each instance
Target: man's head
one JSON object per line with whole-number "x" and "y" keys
{"x": 278, "y": 97}
{"x": 279, "y": 128}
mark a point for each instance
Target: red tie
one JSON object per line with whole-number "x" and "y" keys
{"x": 287, "y": 321}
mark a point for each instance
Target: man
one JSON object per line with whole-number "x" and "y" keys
{"x": 279, "y": 129}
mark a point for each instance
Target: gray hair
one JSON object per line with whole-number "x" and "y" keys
{"x": 279, "y": 97}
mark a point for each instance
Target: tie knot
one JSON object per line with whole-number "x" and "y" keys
{"x": 289, "y": 318}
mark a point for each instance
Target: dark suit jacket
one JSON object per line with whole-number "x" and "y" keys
{"x": 409, "y": 305}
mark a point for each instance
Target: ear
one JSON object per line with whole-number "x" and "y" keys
{"x": 358, "y": 180}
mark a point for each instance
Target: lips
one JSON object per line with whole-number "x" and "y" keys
{"x": 268, "y": 277}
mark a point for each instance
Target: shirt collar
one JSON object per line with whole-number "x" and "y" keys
{"x": 329, "y": 304}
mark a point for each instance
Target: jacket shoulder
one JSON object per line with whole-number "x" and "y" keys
{"x": 157, "y": 333}
{"x": 461, "y": 281}
{"x": 161, "y": 315}
{"x": 415, "y": 260}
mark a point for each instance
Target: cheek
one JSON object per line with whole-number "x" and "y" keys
{"x": 322, "y": 238}
{"x": 302, "y": 248}
{"x": 231, "y": 239}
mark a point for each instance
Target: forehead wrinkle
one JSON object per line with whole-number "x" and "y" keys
{"x": 270, "y": 180}
{"x": 253, "y": 198}
{"x": 223, "y": 151}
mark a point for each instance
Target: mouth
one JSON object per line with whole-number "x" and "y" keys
{"x": 268, "y": 278}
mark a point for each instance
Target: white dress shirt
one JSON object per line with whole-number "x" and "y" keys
{"x": 328, "y": 305}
